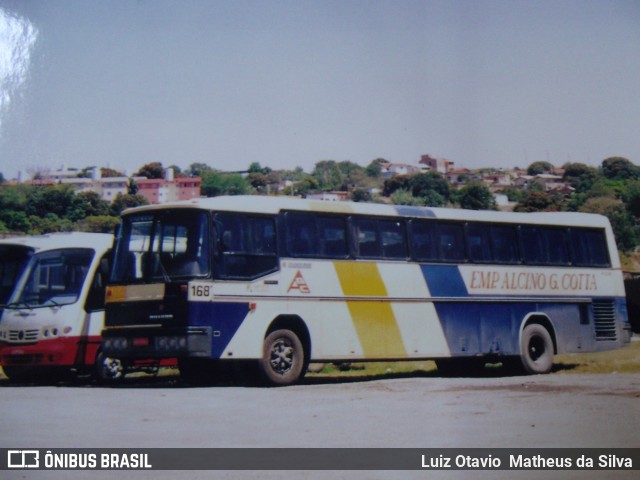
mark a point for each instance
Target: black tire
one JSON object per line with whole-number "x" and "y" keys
{"x": 109, "y": 369}
{"x": 283, "y": 358}
{"x": 536, "y": 349}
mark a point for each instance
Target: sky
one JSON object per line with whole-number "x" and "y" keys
{"x": 289, "y": 83}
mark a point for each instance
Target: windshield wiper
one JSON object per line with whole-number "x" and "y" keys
{"x": 18, "y": 305}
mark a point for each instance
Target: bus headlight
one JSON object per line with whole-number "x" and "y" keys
{"x": 115, "y": 344}
{"x": 171, "y": 344}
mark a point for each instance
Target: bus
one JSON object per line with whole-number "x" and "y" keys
{"x": 281, "y": 282}
{"x": 54, "y": 312}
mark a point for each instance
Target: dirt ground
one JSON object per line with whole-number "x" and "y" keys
{"x": 550, "y": 411}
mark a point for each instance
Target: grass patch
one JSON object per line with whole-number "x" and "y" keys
{"x": 624, "y": 360}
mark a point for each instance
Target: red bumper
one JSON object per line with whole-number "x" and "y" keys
{"x": 63, "y": 351}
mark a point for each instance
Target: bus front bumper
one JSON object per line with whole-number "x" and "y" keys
{"x": 153, "y": 343}
{"x": 60, "y": 351}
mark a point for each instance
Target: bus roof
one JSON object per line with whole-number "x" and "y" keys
{"x": 52, "y": 241}
{"x": 275, "y": 204}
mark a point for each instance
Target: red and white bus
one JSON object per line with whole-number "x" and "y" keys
{"x": 54, "y": 311}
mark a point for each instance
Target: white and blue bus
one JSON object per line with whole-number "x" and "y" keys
{"x": 284, "y": 282}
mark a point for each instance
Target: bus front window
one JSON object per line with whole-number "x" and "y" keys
{"x": 163, "y": 246}
{"x": 12, "y": 261}
{"x": 53, "y": 279}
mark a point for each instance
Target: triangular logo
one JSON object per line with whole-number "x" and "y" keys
{"x": 299, "y": 283}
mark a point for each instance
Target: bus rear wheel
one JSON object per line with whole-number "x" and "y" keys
{"x": 536, "y": 349}
{"x": 282, "y": 361}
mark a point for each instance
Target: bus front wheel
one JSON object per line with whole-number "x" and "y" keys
{"x": 536, "y": 349}
{"x": 109, "y": 369}
{"x": 282, "y": 361}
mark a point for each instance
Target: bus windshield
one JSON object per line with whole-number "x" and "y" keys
{"x": 12, "y": 260}
{"x": 162, "y": 246}
{"x": 53, "y": 278}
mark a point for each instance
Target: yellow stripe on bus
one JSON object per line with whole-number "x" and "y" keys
{"x": 135, "y": 293}
{"x": 374, "y": 320}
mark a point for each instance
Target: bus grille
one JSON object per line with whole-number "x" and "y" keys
{"x": 23, "y": 335}
{"x": 604, "y": 315}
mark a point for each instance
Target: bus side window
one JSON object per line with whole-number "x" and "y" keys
{"x": 544, "y": 245}
{"x": 332, "y": 237}
{"x": 301, "y": 234}
{"x": 423, "y": 240}
{"x": 394, "y": 239}
{"x": 365, "y": 234}
{"x": 589, "y": 248}
{"x": 246, "y": 246}
{"x": 451, "y": 240}
{"x": 504, "y": 244}
{"x": 479, "y": 243}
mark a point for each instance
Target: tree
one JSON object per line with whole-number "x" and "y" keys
{"x": 538, "y": 168}
{"x": 539, "y": 201}
{"x": 360, "y": 195}
{"x": 49, "y": 223}
{"x": 107, "y": 172}
{"x": 580, "y": 176}
{"x": 14, "y": 197}
{"x": 256, "y": 168}
{"x": 425, "y": 185}
{"x": 132, "y": 189}
{"x": 397, "y": 182}
{"x": 303, "y": 186}
{"x": 91, "y": 204}
{"x": 122, "y": 202}
{"x": 197, "y": 169}
{"x": 329, "y": 175}
{"x": 632, "y": 198}
{"x": 218, "y": 183}
{"x": 405, "y": 197}
{"x": 15, "y": 221}
{"x": 98, "y": 224}
{"x": 476, "y": 196}
{"x": 151, "y": 170}
{"x": 57, "y": 199}
{"x": 374, "y": 169}
{"x": 353, "y": 175}
{"x": 619, "y": 168}
{"x": 177, "y": 171}
{"x": 258, "y": 181}
{"x": 514, "y": 194}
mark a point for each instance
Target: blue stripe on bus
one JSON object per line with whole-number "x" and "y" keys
{"x": 224, "y": 318}
{"x": 473, "y": 328}
{"x": 444, "y": 281}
